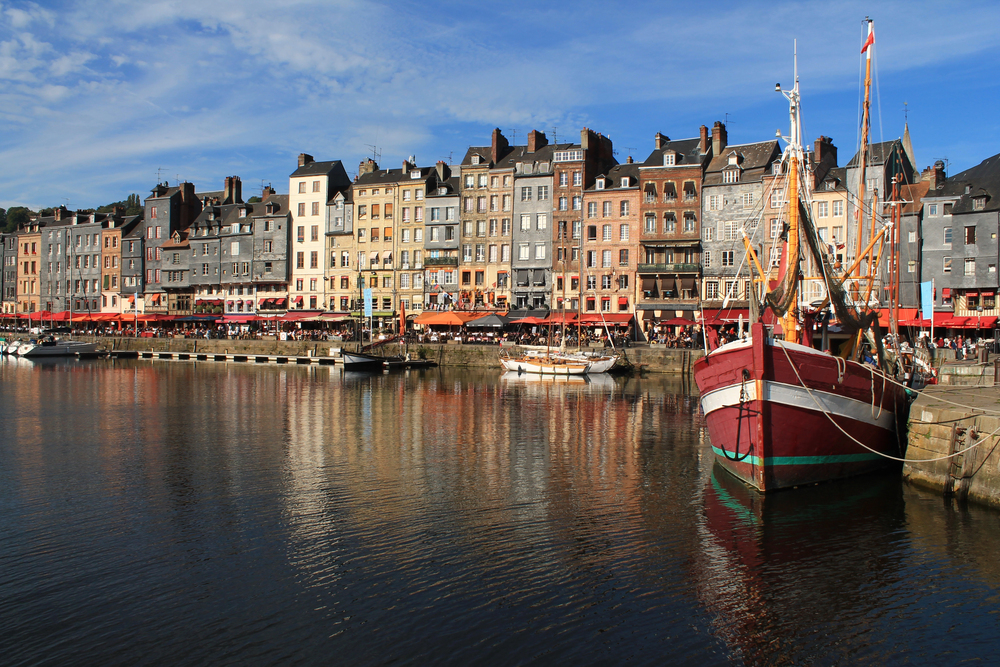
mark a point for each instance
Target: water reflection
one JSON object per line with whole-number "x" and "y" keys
{"x": 239, "y": 513}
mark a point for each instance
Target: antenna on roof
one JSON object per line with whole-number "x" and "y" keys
{"x": 159, "y": 175}
{"x": 906, "y": 112}
{"x": 555, "y": 137}
{"x": 727, "y": 119}
{"x": 376, "y": 153}
{"x": 629, "y": 149}
{"x": 513, "y": 136}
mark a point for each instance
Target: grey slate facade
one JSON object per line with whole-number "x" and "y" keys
{"x": 531, "y": 278}
{"x": 8, "y": 272}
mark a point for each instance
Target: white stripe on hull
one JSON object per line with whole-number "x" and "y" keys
{"x": 796, "y": 396}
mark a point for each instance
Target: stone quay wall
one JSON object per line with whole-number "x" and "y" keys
{"x": 650, "y": 359}
{"x": 940, "y": 428}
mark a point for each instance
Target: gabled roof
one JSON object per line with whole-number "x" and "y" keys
{"x": 878, "y": 154}
{"x": 615, "y": 175}
{"x": 686, "y": 150}
{"x": 835, "y": 179}
{"x": 912, "y": 194}
{"x": 280, "y": 203}
{"x": 753, "y": 159}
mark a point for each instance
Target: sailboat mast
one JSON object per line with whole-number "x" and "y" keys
{"x": 863, "y": 151}
{"x": 794, "y": 153}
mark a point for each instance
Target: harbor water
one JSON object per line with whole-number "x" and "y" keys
{"x": 191, "y": 513}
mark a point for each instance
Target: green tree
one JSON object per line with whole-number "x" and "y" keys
{"x": 3, "y": 218}
{"x": 16, "y": 216}
{"x": 253, "y": 200}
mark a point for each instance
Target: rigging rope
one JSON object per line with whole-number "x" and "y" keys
{"x": 839, "y": 428}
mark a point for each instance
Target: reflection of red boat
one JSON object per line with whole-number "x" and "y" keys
{"x": 769, "y": 430}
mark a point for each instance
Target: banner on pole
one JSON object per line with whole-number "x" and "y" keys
{"x": 927, "y": 300}
{"x": 368, "y": 302}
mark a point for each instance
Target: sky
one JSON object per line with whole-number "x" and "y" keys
{"x": 101, "y": 99}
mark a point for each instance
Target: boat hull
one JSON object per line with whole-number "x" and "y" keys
{"x": 356, "y": 361}
{"x": 544, "y": 366}
{"x": 772, "y": 432}
{"x": 58, "y": 349}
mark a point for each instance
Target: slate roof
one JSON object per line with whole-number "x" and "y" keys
{"x": 912, "y": 194}
{"x": 686, "y": 149}
{"x": 281, "y": 208}
{"x": 835, "y": 179}
{"x": 315, "y": 168}
{"x": 754, "y": 161}
{"x": 615, "y": 175}
{"x": 983, "y": 180}
{"x": 879, "y": 153}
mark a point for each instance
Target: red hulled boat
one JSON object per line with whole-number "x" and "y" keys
{"x": 781, "y": 413}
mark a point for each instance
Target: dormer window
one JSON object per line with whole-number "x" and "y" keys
{"x": 731, "y": 176}
{"x": 211, "y": 215}
{"x": 475, "y": 159}
{"x": 625, "y": 182}
{"x": 414, "y": 174}
{"x": 669, "y": 159}
{"x": 243, "y": 213}
{"x": 442, "y": 190}
{"x": 269, "y": 208}
{"x": 734, "y": 159}
{"x": 600, "y": 183}
{"x": 978, "y": 203}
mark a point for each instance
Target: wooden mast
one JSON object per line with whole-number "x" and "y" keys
{"x": 863, "y": 151}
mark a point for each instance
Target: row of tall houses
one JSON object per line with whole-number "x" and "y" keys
{"x": 559, "y": 226}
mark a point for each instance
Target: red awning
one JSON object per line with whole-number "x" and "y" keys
{"x": 610, "y": 318}
{"x": 946, "y": 292}
{"x": 727, "y": 314}
{"x": 297, "y": 299}
{"x": 623, "y": 301}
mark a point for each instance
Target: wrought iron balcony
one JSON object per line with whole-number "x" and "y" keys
{"x": 440, "y": 261}
{"x": 668, "y": 268}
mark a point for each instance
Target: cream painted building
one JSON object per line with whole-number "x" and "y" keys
{"x": 311, "y": 188}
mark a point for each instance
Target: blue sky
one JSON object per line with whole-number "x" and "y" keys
{"x": 96, "y": 96}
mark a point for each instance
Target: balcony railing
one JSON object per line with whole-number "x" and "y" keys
{"x": 441, "y": 261}
{"x": 669, "y": 268}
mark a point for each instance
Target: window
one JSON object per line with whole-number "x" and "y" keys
{"x": 542, "y": 222}
{"x": 947, "y": 237}
{"x": 932, "y": 209}
{"x": 911, "y": 266}
{"x": 522, "y": 251}
{"x": 543, "y": 192}
{"x": 563, "y": 204}
{"x": 706, "y": 258}
{"x": 711, "y": 289}
{"x": 300, "y": 260}
{"x": 361, "y": 235}
{"x": 314, "y": 259}
{"x": 302, "y": 209}
{"x": 822, "y": 209}
{"x": 606, "y": 259}
{"x": 669, "y": 223}
{"x": 623, "y": 208}
{"x": 970, "y": 235}
{"x": 911, "y": 237}
{"x": 577, "y": 177}
{"x": 314, "y": 233}
{"x": 970, "y": 266}
{"x": 946, "y": 268}
{"x": 715, "y": 203}
{"x": 623, "y": 257}
{"x": 591, "y": 232}
{"x": 592, "y": 209}
{"x": 577, "y": 203}
{"x": 728, "y": 257}
{"x": 838, "y": 208}
{"x": 525, "y": 223}
{"x": 623, "y": 232}
{"x": 539, "y": 251}
{"x": 978, "y": 203}
{"x": 526, "y": 193}
{"x": 776, "y": 228}
{"x": 689, "y": 221}
{"x": 669, "y": 159}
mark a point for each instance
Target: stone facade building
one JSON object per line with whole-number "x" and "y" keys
{"x": 528, "y": 247}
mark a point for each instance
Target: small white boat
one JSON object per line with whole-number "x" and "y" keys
{"x": 56, "y": 347}
{"x": 545, "y": 365}
{"x": 359, "y": 361}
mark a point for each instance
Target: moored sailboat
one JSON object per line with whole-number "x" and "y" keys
{"x": 781, "y": 413}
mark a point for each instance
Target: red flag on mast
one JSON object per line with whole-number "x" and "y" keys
{"x": 869, "y": 41}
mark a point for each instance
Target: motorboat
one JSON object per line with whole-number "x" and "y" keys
{"x": 50, "y": 346}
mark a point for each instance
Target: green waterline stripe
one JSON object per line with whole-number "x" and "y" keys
{"x": 797, "y": 460}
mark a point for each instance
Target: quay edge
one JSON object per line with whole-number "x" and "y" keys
{"x": 648, "y": 359}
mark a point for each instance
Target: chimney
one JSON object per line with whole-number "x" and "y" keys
{"x": 367, "y": 166}
{"x": 628, "y": 160}
{"x": 536, "y": 140}
{"x": 59, "y": 213}
{"x": 266, "y": 192}
{"x": 187, "y": 193}
{"x": 824, "y": 150}
{"x": 499, "y": 145}
{"x": 719, "y": 138}
{"x": 659, "y": 141}
{"x": 443, "y": 171}
{"x": 939, "y": 175}
{"x": 119, "y": 211}
{"x": 304, "y": 159}
{"x": 703, "y": 144}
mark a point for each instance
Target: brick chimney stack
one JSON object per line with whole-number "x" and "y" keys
{"x": 59, "y": 213}
{"x": 443, "y": 171}
{"x": 304, "y": 159}
{"x": 367, "y": 166}
{"x": 824, "y": 150}
{"x": 720, "y": 138}
{"x": 232, "y": 193}
{"x": 499, "y": 145}
{"x": 935, "y": 175}
{"x": 660, "y": 140}
{"x": 536, "y": 140}
{"x": 703, "y": 144}
{"x": 628, "y": 160}
{"x": 266, "y": 192}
